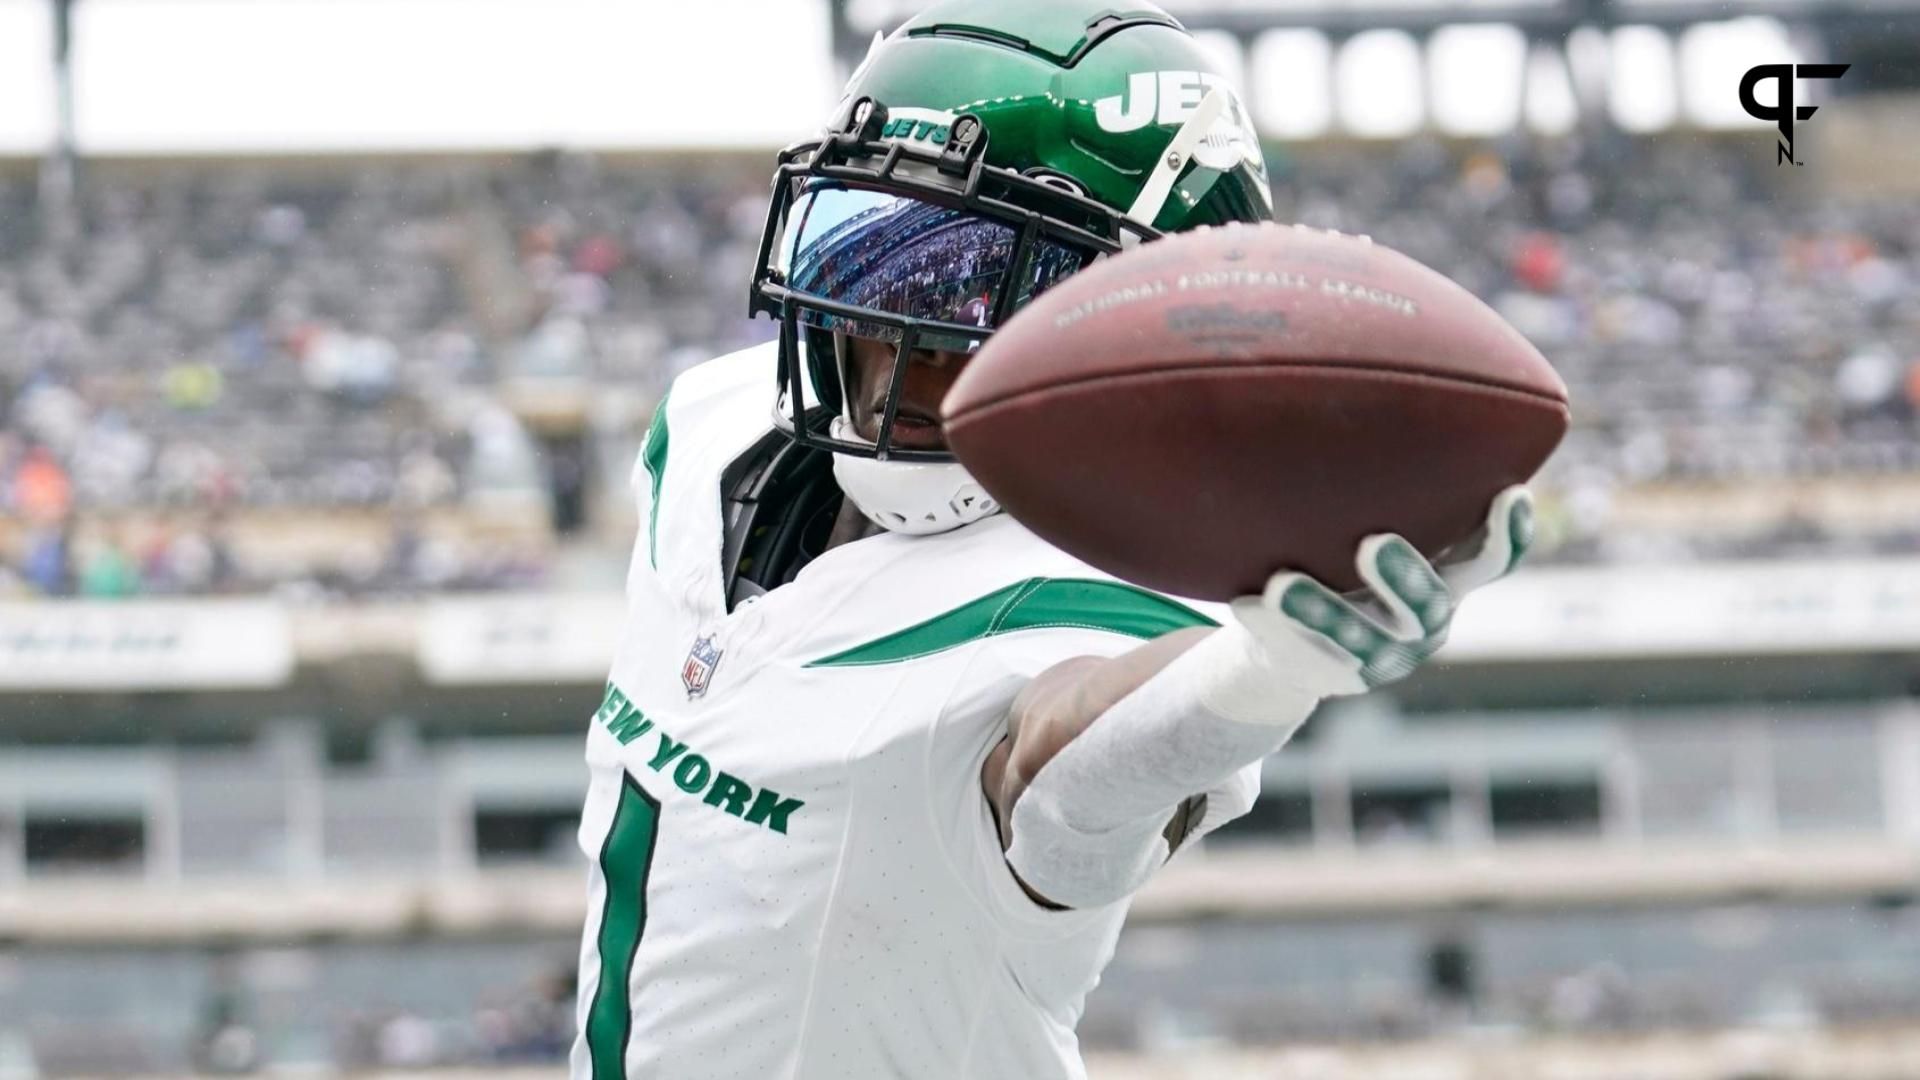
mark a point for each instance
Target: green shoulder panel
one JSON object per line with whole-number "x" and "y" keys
{"x": 1034, "y": 604}
{"x": 653, "y": 457}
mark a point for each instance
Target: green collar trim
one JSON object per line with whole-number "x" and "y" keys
{"x": 1034, "y": 604}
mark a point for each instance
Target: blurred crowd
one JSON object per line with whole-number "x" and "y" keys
{"x": 188, "y": 344}
{"x": 247, "y": 1024}
{"x": 188, "y": 347}
{"x": 1716, "y": 321}
{"x": 515, "y": 1025}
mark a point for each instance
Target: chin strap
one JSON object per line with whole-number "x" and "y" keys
{"x": 912, "y": 497}
{"x": 1160, "y": 185}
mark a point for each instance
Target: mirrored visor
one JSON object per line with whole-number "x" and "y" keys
{"x": 903, "y": 256}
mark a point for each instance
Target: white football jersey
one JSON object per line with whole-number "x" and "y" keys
{"x": 795, "y": 873}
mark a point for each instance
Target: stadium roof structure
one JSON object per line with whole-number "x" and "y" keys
{"x": 1887, "y": 31}
{"x": 857, "y": 20}
{"x": 1392, "y": 68}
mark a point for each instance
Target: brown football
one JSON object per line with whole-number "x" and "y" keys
{"x": 1213, "y": 407}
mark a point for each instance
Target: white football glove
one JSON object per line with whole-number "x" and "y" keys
{"x": 1334, "y": 646}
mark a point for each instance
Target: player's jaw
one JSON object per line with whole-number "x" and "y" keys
{"x": 916, "y": 422}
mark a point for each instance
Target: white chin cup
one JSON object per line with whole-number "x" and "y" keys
{"x": 917, "y": 498}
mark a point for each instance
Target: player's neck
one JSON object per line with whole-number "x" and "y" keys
{"x": 849, "y": 525}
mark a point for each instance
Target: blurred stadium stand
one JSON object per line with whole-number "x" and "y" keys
{"x": 451, "y": 360}
{"x": 347, "y": 377}
{"x": 362, "y": 846}
{"x": 314, "y": 431}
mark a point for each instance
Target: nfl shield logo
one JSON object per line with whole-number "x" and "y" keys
{"x": 698, "y": 670}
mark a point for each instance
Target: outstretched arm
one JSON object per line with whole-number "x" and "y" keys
{"x": 1057, "y": 707}
{"x": 1100, "y": 753}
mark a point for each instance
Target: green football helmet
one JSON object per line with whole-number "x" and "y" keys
{"x": 981, "y": 154}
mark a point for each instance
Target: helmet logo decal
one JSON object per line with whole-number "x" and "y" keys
{"x": 1169, "y": 98}
{"x": 928, "y": 127}
{"x": 1155, "y": 97}
{"x": 916, "y": 130}
{"x": 1136, "y": 108}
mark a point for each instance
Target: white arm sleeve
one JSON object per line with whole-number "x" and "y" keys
{"x": 1088, "y": 830}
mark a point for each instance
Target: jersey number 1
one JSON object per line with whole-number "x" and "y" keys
{"x": 626, "y": 861}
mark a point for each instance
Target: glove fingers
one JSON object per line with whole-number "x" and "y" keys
{"x": 1343, "y": 630}
{"x": 1416, "y": 600}
{"x": 1305, "y": 603}
{"x": 1303, "y": 622}
{"x": 1504, "y": 542}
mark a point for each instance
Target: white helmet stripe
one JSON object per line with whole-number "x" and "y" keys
{"x": 1160, "y": 184}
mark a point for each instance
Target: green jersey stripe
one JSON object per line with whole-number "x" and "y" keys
{"x": 653, "y": 456}
{"x": 1033, "y": 604}
{"x": 626, "y": 861}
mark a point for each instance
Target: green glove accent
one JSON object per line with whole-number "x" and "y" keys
{"x": 1334, "y": 646}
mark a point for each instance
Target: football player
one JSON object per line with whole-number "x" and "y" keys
{"x": 877, "y": 770}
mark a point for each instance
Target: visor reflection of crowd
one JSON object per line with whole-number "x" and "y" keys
{"x": 921, "y": 260}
